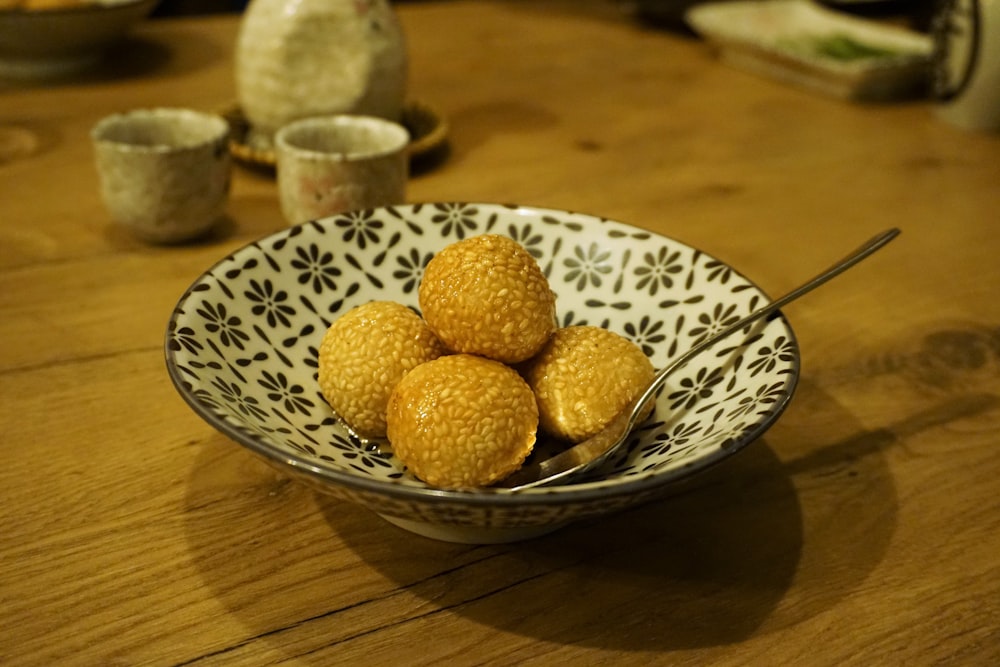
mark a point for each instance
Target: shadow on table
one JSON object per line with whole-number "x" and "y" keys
{"x": 701, "y": 568}
{"x": 776, "y": 536}
{"x": 709, "y": 566}
{"x": 137, "y": 56}
{"x": 757, "y": 544}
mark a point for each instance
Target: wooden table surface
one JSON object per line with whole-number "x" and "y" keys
{"x": 862, "y": 529}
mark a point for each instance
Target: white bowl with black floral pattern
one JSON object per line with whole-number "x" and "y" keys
{"x": 241, "y": 349}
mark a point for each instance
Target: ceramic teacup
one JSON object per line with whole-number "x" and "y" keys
{"x": 164, "y": 173}
{"x": 333, "y": 164}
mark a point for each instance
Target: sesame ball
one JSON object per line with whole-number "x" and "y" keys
{"x": 486, "y": 295}
{"x": 462, "y": 421}
{"x": 362, "y": 356}
{"x": 583, "y": 377}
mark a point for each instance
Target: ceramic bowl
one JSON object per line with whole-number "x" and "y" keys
{"x": 43, "y": 43}
{"x": 242, "y": 342}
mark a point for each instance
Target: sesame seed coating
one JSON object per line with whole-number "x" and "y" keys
{"x": 583, "y": 377}
{"x": 486, "y": 295}
{"x": 362, "y": 356}
{"x": 462, "y": 421}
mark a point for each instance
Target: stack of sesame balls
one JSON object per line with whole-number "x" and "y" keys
{"x": 462, "y": 392}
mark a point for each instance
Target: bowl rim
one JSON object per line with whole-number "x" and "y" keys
{"x": 564, "y": 494}
{"x": 86, "y": 8}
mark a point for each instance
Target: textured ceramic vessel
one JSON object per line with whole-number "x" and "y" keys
{"x": 301, "y": 58}
{"x": 164, "y": 173}
{"x": 333, "y": 164}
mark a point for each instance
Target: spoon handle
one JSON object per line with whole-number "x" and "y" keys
{"x": 595, "y": 450}
{"x": 835, "y": 270}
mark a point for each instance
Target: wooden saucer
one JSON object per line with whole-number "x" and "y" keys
{"x": 428, "y": 132}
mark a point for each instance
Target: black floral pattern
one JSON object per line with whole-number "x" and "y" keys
{"x": 232, "y": 392}
{"x": 315, "y": 268}
{"x": 712, "y": 322}
{"x": 292, "y": 397}
{"x": 226, "y": 327}
{"x": 698, "y": 387}
{"x": 588, "y": 266}
{"x": 359, "y": 227}
{"x": 658, "y": 270}
{"x": 455, "y": 220}
{"x": 271, "y": 303}
{"x": 242, "y": 343}
{"x": 782, "y": 352}
{"x": 647, "y": 333}
{"x": 410, "y": 269}
{"x": 528, "y": 237}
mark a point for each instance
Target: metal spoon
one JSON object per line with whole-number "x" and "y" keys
{"x": 595, "y": 450}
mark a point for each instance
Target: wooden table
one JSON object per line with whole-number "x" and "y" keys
{"x": 863, "y": 529}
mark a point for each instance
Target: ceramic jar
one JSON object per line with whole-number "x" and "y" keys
{"x": 300, "y": 58}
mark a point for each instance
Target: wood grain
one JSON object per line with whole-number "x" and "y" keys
{"x": 862, "y": 529}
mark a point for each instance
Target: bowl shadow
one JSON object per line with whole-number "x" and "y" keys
{"x": 135, "y": 56}
{"x": 703, "y": 566}
{"x": 774, "y": 536}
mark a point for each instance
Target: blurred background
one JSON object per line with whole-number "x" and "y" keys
{"x": 659, "y": 13}
{"x": 189, "y": 7}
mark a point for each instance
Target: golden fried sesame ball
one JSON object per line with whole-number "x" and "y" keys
{"x": 462, "y": 421}
{"x": 362, "y": 356}
{"x": 583, "y": 377}
{"x": 486, "y": 295}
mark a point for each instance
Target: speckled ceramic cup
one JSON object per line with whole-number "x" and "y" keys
{"x": 164, "y": 173}
{"x": 333, "y": 164}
